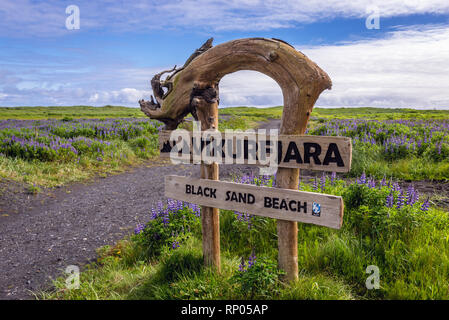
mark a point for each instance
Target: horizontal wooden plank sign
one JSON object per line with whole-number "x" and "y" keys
{"x": 285, "y": 204}
{"x": 288, "y": 151}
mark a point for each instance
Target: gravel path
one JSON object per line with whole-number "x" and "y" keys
{"x": 40, "y": 235}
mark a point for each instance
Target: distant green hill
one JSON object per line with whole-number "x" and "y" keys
{"x": 342, "y": 113}
{"x": 252, "y": 113}
{"x": 69, "y": 112}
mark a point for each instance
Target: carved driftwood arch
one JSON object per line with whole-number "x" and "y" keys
{"x": 194, "y": 89}
{"x": 300, "y": 79}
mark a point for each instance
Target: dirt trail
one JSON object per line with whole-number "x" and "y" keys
{"x": 43, "y": 234}
{"x": 40, "y": 235}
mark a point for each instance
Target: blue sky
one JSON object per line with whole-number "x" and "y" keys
{"x": 121, "y": 44}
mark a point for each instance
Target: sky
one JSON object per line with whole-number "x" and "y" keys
{"x": 378, "y": 53}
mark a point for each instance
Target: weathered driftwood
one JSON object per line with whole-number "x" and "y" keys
{"x": 300, "y": 79}
{"x": 207, "y": 113}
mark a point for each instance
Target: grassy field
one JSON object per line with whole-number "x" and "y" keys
{"x": 52, "y": 146}
{"x": 258, "y": 114}
{"x": 68, "y": 113}
{"x": 343, "y": 113}
{"x": 405, "y": 144}
{"x": 53, "y": 152}
{"x": 384, "y": 226}
{"x": 400, "y": 143}
{"x": 394, "y": 229}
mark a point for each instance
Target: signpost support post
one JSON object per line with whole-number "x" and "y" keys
{"x": 298, "y": 104}
{"x": 288, "y": 230}
{"x": 206, "y": 109}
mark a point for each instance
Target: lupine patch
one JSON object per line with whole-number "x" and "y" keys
{"x": 169, "y": 226}
{"x": 398, "y": 138}
{"x": 55, "y": 140}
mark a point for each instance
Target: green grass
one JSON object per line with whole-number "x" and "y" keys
{"x": 368, "y": 113}
{"x": 52, "y": 152}
{"x": 252, "y": 113}
{"x": 35, "y": 172}
{"x": 50, "y": 174}
{"x": 180, "y": 274}
{"x": 70, "y": 112}
{"x": 379, "y": 113}
{"x": 369, "y": 160}
{"x": 255, "y": 114}
{"x": 409, "y": 246}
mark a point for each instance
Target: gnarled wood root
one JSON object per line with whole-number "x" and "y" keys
{"x": 300, "y": 79}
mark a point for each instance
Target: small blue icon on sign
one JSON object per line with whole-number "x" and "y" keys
{"x": 316, "y": 209}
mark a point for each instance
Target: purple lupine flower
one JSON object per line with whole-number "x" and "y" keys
{"x": 333, "y": 177}
{"x": 264, "y": 180}
{"x": 195, "y": 208}
{"x": 165, "y": 219}
{"x": 400, "y": 201}
{"x": 411, "y": 196}
{"x": 416, "y": 199}
{"x": 160, "y": 207}
{"x": 372, "y": 183}
{"x": 248, "y": 219}
{"x": 139, "y": 229}
{"x": 315, "y": 185}
{"x": 425, "y": 206}
{"x": 171, "y": 206}
{"x": 238, "y": 215}
{"x": 154, "y": 214}
{"x": 396, "y": 186}
{"x": 252, "y": 259}
{"x": 362, "y": 179}
{"x": 389, "y": 200}
{"x": 323, "y": 182}
{"x": 175, "y": 245}
{"x": 242, "y": 265}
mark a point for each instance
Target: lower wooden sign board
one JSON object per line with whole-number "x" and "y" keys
{"x": 284, "y": 204}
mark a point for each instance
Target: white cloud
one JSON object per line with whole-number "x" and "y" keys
{"x": 25, "y": 17}
{"x": 249, "y": 88}
{"x": 408, "y": 68}
{"x": 125, "y": 96}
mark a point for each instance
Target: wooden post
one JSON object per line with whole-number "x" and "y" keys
{"x": 210, "y": 220}
{"x": 206, "y": 111}
{"x": 298, "y": 105}
{"x": 288, "y": 230}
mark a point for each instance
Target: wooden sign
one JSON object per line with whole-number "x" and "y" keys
{"x": 194, "y": 89}
{"x": 284, "y": 204}
{"x": 320, "y": 153}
